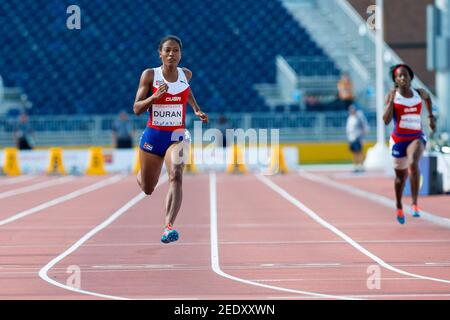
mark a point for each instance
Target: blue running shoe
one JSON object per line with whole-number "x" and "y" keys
{"x": 169, "y": 235}
{"x": 400, "y": 216}
{"x": 415, "y": 211}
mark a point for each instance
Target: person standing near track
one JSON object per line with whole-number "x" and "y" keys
{"x": 23, "y": 134}
{"x": 357, "y": 128}
{"x": 345, "y": 91}
{"x": 404, "y": 106}
{"x": 123, "y": 132}
{"x": 165, "y": 138}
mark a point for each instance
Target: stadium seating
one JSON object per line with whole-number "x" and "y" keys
{"x": 230, "y": 45}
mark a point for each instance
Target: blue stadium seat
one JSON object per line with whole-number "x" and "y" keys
{"x": 228, "y": 44}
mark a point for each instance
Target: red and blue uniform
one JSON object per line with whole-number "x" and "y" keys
{"x": 166, "y": 124}
{"x": 407, "y": 123}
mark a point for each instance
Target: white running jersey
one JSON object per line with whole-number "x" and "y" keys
{"x": 169, "y": 112}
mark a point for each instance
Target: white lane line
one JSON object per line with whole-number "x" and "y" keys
{"x": 375, "y": 296}
{"x": 215, "y": 264}
{"x": 439, "y": 264}
{"x": 43, "y": 272}
{"x": 62, "y": 199}
{"x": 443, "y": 222}
{"x": 338, "y": 232}
{"x": 298, "y": 265}
{"x": 350, "y": 175}
{"x": 136, "y": 266}
{"x": 87, "y": 268}
{"x": 33, "y": 187}
{"x": 361, "y": 280}
{"x": 408, "y": 295}
{"x": 328, "y": 167}
{"x": 203, "y": 243}
{"x": 8, "y": 181}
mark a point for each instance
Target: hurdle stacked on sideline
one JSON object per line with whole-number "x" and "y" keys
{"x": 99, "y": 161}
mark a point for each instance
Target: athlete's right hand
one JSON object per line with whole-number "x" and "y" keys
{"x": 392, "y": 96}
{"x": 161, "y": 90}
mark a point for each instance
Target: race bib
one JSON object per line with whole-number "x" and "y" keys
{"x": 411, "y": 122}
{"x": 169, "y": 115}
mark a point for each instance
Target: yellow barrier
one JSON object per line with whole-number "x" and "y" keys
{"x": 96, "y": 162}
{"x": 238, "y": 163}
{"x": 137, "y": 162}
{"x": 277, "y": 162}
{"x": 190, "y": 167}
{"x": 10, "y": 162}
{"x": 326, "y": 152}
{"x": 55, "y": 164}
{"x": 309, "y": 153}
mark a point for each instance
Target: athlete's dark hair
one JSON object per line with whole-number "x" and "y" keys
{"x": 170, "y": 37}
{"x": 396, "y": 67}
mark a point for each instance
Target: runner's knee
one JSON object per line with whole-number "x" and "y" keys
{"x": 176, "y": 175}
{"x": 413, "y": 162}
{"x": 399, "y": 180}
{"x": 414, "y": 166}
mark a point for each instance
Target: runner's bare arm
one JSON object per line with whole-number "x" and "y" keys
{"x": 389, "y": 110}
{"x": 191, "y": 99}
{"x": 142, "y": 102}
{"x": 429, "y": 104}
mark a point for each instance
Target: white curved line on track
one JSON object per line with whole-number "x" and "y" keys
{"x": 43, "y": 273}
{"x": 215, "y": 264}
{"x": 214, "y": 252}
{"x": 339, "y": 233}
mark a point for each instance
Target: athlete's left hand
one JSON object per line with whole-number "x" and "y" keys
{"x": 432, "y": 123}
{"x": 203, "y": 116}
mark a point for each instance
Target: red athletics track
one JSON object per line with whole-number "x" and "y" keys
{"x": 378, "y": 183}
{"x": 242, "y": 237}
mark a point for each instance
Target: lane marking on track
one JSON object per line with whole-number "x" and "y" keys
{"x": 298, "y": 265}
{"x": 43, "y": 273}
{"x": 215, "y": 264}
{"x": 443, "y": 222}
{"x": 338, "y": 232}
{"x": 161, "y": 267}
{"x": 232, "y": 243}
{"x": 62, "y": 199}
{"x": 61, "y": 271}
{"x": 33, "y": 187}
{"x": 325, "y": 279}
{"x": 134, "y": 266}
{"x": 375, "y": 296}
{"x": 352, "y": 176}
{"x": 328, "y": 167}
{"x": 9, "y": 181}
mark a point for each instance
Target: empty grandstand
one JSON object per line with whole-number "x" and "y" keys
{"x": 265, "y": 64}
{"x": 230, "y": 45}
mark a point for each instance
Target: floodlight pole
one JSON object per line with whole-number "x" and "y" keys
{"x": 443, "y": 74}
{"x": 378, "y": 157}
{"x": 380, "y": 71}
